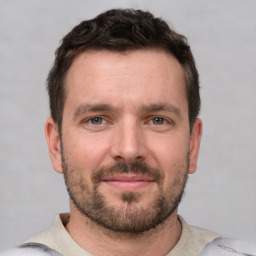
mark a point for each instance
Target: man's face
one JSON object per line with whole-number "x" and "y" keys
{"x": 125, "y": 138}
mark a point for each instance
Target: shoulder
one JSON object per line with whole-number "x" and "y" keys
{"x": 203, "y": 234}
{"x": 228, "y": 247}
{"x": 31, "y": 249}
{"x": 192, "y": 240}
{"x": 46, "y": 237}
{"x": 53, "y": 236}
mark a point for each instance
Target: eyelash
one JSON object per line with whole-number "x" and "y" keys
{"x": 91, "y": 119}
{"x": 164, "y": 120}
{"x": 150, "y": 121}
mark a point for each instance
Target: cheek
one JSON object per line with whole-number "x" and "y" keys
{"x": 84, "y": 151}
{"x": 169, "y": 153}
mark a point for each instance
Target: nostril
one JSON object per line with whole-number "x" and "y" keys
{"x": 129, "y": 159}
{"x": 119, "y": 158}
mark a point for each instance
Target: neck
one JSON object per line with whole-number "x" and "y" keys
{"x": 103, "y": 242}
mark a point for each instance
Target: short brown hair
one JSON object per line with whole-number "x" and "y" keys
{"x": 121, "y": 30}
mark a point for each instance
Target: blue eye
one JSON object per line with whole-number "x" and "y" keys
{"x": 96, "y": 120}
{"x": 158, "y": 120}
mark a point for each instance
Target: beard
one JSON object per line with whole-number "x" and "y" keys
{"x": 127, "y": 215}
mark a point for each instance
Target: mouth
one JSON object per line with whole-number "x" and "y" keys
{"x": 128, "y": 182}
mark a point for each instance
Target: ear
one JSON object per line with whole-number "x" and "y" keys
{"x": 53, "y": 141}
{"x": 195, "y": 139}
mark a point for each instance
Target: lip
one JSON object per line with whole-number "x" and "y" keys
{"x": 128, "y": 182}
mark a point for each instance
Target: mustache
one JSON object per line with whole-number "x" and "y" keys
{"x": 124, "y": 168}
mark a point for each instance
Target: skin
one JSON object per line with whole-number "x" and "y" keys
{"x": 130, "y": 83}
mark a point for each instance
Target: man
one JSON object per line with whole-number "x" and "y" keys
{"x": 124, "y": 130}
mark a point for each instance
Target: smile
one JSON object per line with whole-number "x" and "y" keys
{"x": 128, "y": 182}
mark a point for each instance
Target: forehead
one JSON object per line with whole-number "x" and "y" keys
{"x": 111, "y": 62}
{"x": 140, "y": 75}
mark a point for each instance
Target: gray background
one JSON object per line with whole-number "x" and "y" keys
{"x": 222, "y": 34}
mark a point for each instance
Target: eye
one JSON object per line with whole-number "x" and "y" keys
{"x": 158, "y": 120}
{"x": 96, "y": 123}
{"x": 96, "y": 120}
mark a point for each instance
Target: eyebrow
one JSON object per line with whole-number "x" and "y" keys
{"x": 83, "y": 108}
{"x": 161, "y": 107}
{"x": 91, "y": 108}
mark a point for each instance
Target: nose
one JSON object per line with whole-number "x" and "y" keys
{"x": 128, "y": 143}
